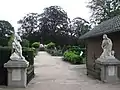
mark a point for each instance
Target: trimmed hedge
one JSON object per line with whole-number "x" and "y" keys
{"x": 51, "y": 45}
{"x": 29, "y": 55}
{"x": 36, "y": 44}
{"x": 5, "y": 53}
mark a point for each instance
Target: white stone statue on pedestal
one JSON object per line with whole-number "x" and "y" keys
{"x": 17, "y": 48}
{"x": 107, "y": 48}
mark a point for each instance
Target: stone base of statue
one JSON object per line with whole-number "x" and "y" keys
{"x": 17, "y": 73}
{"x": 109, "y": 69}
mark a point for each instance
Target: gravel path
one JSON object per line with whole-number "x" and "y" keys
{"x": 51, "y": 73}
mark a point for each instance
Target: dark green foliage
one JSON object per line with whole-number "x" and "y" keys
{"x": 51, "y": 45}
{"x": 80, "y": 26}
{"x": 65, "y": 47}
{"x": 54, "y": 20}
{"x": 5, "y": 53}
{"x": 6, "y": 30}
{"x": 53, "y": 25}
{"x": 11, "y": 40}
{"x": 77, "y": 49}
{"x": 25, "y": 43}
{"x": 29, "y": 24}
{"x": 36, "y": 45}
{"x": 51, "y": 48}
{"x": 29, "y": 55}
{"x": 103, "y": 10}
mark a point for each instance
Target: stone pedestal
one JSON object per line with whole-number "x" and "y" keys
{"x": 17, "y": 73}
{"x": 109, "y": 72}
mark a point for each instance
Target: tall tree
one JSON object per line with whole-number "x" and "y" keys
{"x": 53, "y": 21}
{"x": 103, "y": 9}
{"x": 29, "y": 24}
{"x": 79, "y": 26}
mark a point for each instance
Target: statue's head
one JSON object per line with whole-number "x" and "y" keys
{"x": 105, "y": 36}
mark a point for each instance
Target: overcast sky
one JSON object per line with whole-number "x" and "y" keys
{"x": 13, "y": 10}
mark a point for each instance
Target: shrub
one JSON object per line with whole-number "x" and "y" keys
{"x": 25, "y": 43}
{"x": 56, "y": 52}
{"x": 51, "y": 45}
{"x": 29, "y": 55}
{"x": 76, "y": 59}
{"x": 67, "y": 55}
{"x": 77, "y": 50}
{"x": 73, "y": 57}
{"x": 30, "y": 49}
{"x": 36, "y": 45}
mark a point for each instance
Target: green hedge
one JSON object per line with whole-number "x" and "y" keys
{"x": 51, "y": 45}
{"x": 5, "y": 53}
{"x": 36, "y": 44}
{"x": 29, "y": 55}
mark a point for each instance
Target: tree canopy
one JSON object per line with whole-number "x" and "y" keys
{"x": 103, "y": 9}
{"x": 52, "y": 25}
{"x": 79, "y": 26}
{"x": 6, "y": 30}
{"x": 29, "y": 24}
{"x": 54, "y": 19}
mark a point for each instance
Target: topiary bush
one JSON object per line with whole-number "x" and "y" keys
{"x": 51, "y": 45}
{"x": 25, "y": 43}
{"x": 36, "y": 45}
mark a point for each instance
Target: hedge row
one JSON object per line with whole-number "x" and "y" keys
{"x": 5, "y": 53}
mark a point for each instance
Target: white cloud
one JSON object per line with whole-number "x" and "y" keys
{"x": 13, "y": 10}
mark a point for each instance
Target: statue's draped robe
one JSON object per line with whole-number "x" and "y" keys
{"x": 107, "y": 48}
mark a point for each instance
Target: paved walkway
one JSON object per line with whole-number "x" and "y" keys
{"x": 54, "y": 74}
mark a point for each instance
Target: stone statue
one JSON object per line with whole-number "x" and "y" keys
{"x": 17, "y": 48}
{"x": 107, "y": 48}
